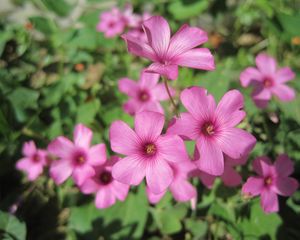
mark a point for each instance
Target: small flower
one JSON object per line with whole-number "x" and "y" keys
{"x": 180, "y": 187}
{"x": 137, "y": 31}
{"x": 77, "y": 159}
{"x": 267, "y": 81}
{"x": 271, "y": 180}
{"x": 145, "y": 94}
{"x": 213, "y": 128}
{"x": 107, "y": 189}
{"x": 33, "y": 162}
{"x": 148, "y": 153}
{"x": 166, "y": 52}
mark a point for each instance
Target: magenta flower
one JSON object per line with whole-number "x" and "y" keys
{"x": 33, "y": 162}
{"x": 137, "y": 31}
{"x": 213, "y": 128}
{"x": 166, "y": 52}
{"x": 77, "y": 159}
{"x": 180, "y": 187}
{"x": 107, "y": 189}
{"x": 267, "y": 80}
{"x": 271, "y": 180}
{"x": 145, "y": 94}
{"x": 111, "y": 23}
{"x": 148, "y": 153}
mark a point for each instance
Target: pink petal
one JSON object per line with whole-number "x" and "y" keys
{"x": 185, "y": 39}
{"x": 128, "y": 87}
{"x": 283, "y": 92}
{"x": 236, "y": 142}
{"x": 29, "y": 148}
{"x": 262, "y": 166}
{"x": 169, "y": 71}
{"x": 229, "y": 111}
{"x": 132, "y": 106}
{"x": 249, "y": 76}
{"x": 285, "y": 186}
{"x": 120, "y": 190}
{"x": 199, "y": 58}
{"x": 154, "y": 198}
{"x": 207, "y": 179}
{"x": 159, "y": 92}
{"x": 148, "y": 80}
{"x": 81, "y": 173}
{"x": 284, "y": 165}
{"x": 265, "y": 63}
{"x": 211, "y": 158}
{"x": 24, "y": 164}
{"x": 152, "y": 106}
{"x": 129, "y": 170}
{"x": 159, "y": 176}
{"x": 172, "y": 148}
{"x": 105, "y": 198}
{"x": 269, "y": 201}
{"x": 185, "y": 126}
{"x": 230, "y": 177}
{"x": 149, "y": 125}
{"x": 89, "y": 186}
{"x": 123, "y": 139}
{"x": 82, "y": 136}
{"x": 139, "y": 48}
{"x": 61, "y": 147}
{"x": 284, "y": 75}
{"x": 254, "y": 186}
{"x": 97, "y": 154}
{"x": 60, "y": 170}
{"x": 158, "y": 34}
{"x": 182, "y": 190}
{"x": 35, "y": 171}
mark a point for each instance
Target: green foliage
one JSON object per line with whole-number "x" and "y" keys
{"x": 11, "y": 228}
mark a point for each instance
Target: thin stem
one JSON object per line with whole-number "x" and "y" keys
{"x": 165, "y": 80}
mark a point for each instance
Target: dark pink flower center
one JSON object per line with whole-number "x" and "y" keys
{"x": 79, "y": 158}
{"x": 144, "y": 96}
{"x": 111, "y": 24}
{"x": 208, "y": 129}
{"x": 105, "y": 177}
{"x": 36, "y": 158}
{"x": 268, "y": 181}
{"x": 150, "y": 149}
{"x": 268, "y": 82}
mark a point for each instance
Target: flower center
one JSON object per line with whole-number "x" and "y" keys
{"x": 105, "y": 177}
{"x": 150, "y": 149}
{"x": 208, "y": 129}
{"x": 268, "y": 181}
{"x": 268, "y": 82}
{"x": 36, "y": 158}
{"x": 80, "y": 158}
{"x": 111, "y": 24}
{"x": 144, "y": 96}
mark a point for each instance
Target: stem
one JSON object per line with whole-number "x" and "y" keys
{"x": 165, "y": 80}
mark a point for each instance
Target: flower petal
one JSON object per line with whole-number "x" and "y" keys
{"x": 254, "y": 186}
{"x": 262, "y": 166}
{"x": 148, "y": 80}
{"x": 265, "y": 63}
{"x": 61, "y": 147}
{"x": 123, "y": 139}
{"x": 82, "y": 136}
{"x": 81, "y": 173}
{"x": 182, "y": 190}
{"x": 269, "y": 201}
{"x": 60, "y": 170}
{"x": 284, "y": 75}
{"x": 261, "y": 96}
{"x": 132, "y": 106}
{"x": 159, "y": 92}
{"x": 29, "y": 148}
{"x": 154, "y": 198}
{"x": 97, "y": 154}
{"x": 35, "y": 171}
{"x": 283, "y": 92}
{"x": 249, "y": 76}
{"x": 285, "y": 186}
{"x": 152, "y": 106}
{"x": 230, "y": 177}
{"x": 105, "y": 198}
{"x": 128, "y": 87}
{"x": 207, "y": 179}
{"x": 120, "y": 190}
{"x": 89, "y": 186}
{"x": 284, "y": 165}
{"x": 169, "y": 71}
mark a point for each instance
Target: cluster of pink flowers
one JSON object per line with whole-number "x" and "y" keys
{"x": 156, "y": 151}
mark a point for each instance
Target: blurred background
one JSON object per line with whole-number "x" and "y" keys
{"x": 57, "y": 70}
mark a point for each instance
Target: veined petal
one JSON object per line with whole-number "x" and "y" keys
{"x": 169, "y": 71}
{"x": 128, "y": 87}
{"x": 269, "y": 201}
{"x": 284, "y": 75}
{"x": 82, "y": 136}
{"x": 265, "y": 63}
{"x": 254, "y": 186}
{"x": 249, "y": 76}
{"x": 283, "y": 92}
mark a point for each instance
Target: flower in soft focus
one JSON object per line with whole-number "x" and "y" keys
{"x": 107, "y": 189}
{"x": 77, "y": 159}
{"x": 166, "y": 52}
{"x": 138, "y": 31}
{"x": 145, "y": 94}
{"x": 33, "y": 162}
{"x": 271, "y": 180}
{"x": 111, "y": 23}
{"x": 131, "y": 19}
{"x": 148, "y": 153}
{"x": 181, "y": 188}
{"x": 213, "y": 128}
{"x": 267, "y": 80}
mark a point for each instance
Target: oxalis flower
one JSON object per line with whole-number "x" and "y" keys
{"x": 33, "y": 162}
{"x": 267, "y": 80}
{"x": 271, "y": 180}
{"x": 145, "y": 94}
{"x": 213, "y": 128}
{"x": 148, "y": 153}
{"x": 107, "y": 189}
{"x": 75, "y": 158}
{"x": 166, "y": 52}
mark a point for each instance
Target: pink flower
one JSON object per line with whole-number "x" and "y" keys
{"x": 137, "y": 31}
{"x": 267, "y": 80}
{"x": 132, "y": 20}
{"x": 213, "y": 128}
{"x": 145, "y": 94}
{"x": 180, "y": 188}
{"x": 166, "y": 52}
{"x": 77, "y": 159}
{"x": 111, "y": 23}
{"x": 271, "y": 180}
{"x": 107, "y": 189}
{"x": 148, "y": 153}
{"x": 33, "y": 162}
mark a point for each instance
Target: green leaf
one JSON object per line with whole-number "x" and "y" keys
{"x": 60, "y": 7}
{"x": 290, "y": 23}
{"x": 12, "y": 226}
{"x": 43, "y": 24}
{"x": 86, "y": 112}
{"x": 197, "y": 227}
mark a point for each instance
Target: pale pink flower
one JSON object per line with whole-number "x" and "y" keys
{"x": 213, "y": 127}
{"x": 77, "y": 159}
{"x": 131, "y": 19}
{"x": 33, "y": 162}
{"x": 181, "y": 189}
{"x": 271, "y": 180}
{"x": 137, "y": 31}
{"x": 144, "y": 94}
{"x": 111, "y": 23}
{"x": 148, "y": 153}
{"x": 166, "y": 52}
{"x": 267, "y": 80}
{"x": 106, "y": 188}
